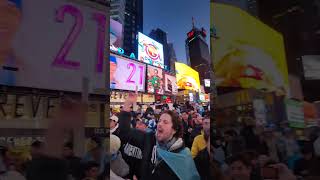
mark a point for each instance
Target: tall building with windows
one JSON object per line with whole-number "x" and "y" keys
{"x": 198, "y": 55}
{"x": 117, "y": 9}
{"x": 130, "y": 14}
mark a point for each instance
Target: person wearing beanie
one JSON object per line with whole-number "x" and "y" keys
{"x": 117, "y": 164}
{"x": 96, "y": 154}
{"x": 114, "y": 125}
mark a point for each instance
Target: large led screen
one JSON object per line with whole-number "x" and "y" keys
{"x": 126, "y": 74}
{"x": 155, "y": 80}
{"x": 170, "y": 84}
{"x": 250, "y": 56}
{"x": 150, "y": 51}
{"x": 53, "y": 47}
{"x": 187, "y": 78}
{"x": 311, "y": 67}
{"x": 116, "y": 29}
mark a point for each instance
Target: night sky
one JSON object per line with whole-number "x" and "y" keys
{"x": 175, "y": 18}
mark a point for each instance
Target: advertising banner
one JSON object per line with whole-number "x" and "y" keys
{"x": 206, "y": 82}
{"x": 126, "y": 74}
{"x": 116, "y": 35}
{"x": 53, "y": 47}
{"x": 148, "y": 98}
{"x": 150, "y": 51}
{"x": 295, "y": 113}
{"x": 170, "y": 84}
{"x": 260, "y": 111}
{"x": 187, "y": 78}
{"x": 155, "y": 80}
{"x": 252, "y": 56}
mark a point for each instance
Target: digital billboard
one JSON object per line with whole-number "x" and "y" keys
{"x": 252, "y": 56}
{"x": 126, "y": 74}
{"x": 170, "y": 84}
{"x": 187, "y": 78}
{"x": 53, "y": 47}
{"x": 206, "y": 82}
{"x": 116, "y": 35}
{"x": 311, "y": 67}
{"x": 155, "y": 80}
{"x": 150, "y": 51}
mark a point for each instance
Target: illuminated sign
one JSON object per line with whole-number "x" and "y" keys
{"x": 187, "y": 78}
{"x": 150, "y": 51}
{"x": 207, "y": 82}
{"x": 252, "y": 56}
{"x": 126, "y": 74}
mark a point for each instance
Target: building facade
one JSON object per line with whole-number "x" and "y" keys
{"x": 130, "y": 14}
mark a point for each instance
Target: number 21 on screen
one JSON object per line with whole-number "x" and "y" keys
{"x": 133, "y": 71}
{"x": 60, "y": 60}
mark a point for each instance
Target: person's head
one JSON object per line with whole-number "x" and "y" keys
{"x": 37, "y": 148}
{"x": 92, "y": 170}
{"x": 229, "y": 135}
{"x": 95, "y": 147}
{"x": 141, "y": 125}
{"x": 184, "y": 115}
{"x": 115, "y": 144}
{"x": 169, "y": 126}
{"x": 113, "y": 121}
{"x": 198, "y": 119}
{"x": 240, "y": 167}
{"x": 113, "y": 66}
{"x": 67, "y": 149}
{"x": 206, "y": 125}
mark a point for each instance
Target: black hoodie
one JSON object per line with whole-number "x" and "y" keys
{"x": 137, "y": 148}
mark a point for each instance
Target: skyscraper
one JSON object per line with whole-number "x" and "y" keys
{"x": 117, "y": 9}
{"x": 197, "y": 49}
{"x": 130, "y": 14}
{"x": 172, "y": 56}
{"x": 160, "y": 36}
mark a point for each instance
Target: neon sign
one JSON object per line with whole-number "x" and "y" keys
{"x": 121, "y": 51}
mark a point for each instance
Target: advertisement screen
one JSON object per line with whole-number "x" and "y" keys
{"x": 116, "y": 34}
{"x": 170, "y": 84}
{"x": 187, "y": 78}
{"x": 53, "y": 47}
{"x": 252, "y": 56}
{"x": 155, "y": 80}
{"x": 150, "y": 51}
{"x": 207, "y": 83}
{"x": 311, "y": 67}
{"x": 126, "y": 74}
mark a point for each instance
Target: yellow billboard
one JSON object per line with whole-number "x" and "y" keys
{"x": 245, "y": 52}
{"x": 187, "y": 78}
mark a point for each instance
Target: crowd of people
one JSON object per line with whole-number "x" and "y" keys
{"x": 174, "y": 143}
{"x": 151, "y": 144}
{"x": 259, "y": 152}
{"x": 160, "y": 143}
{"x": 54, "y": 158}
